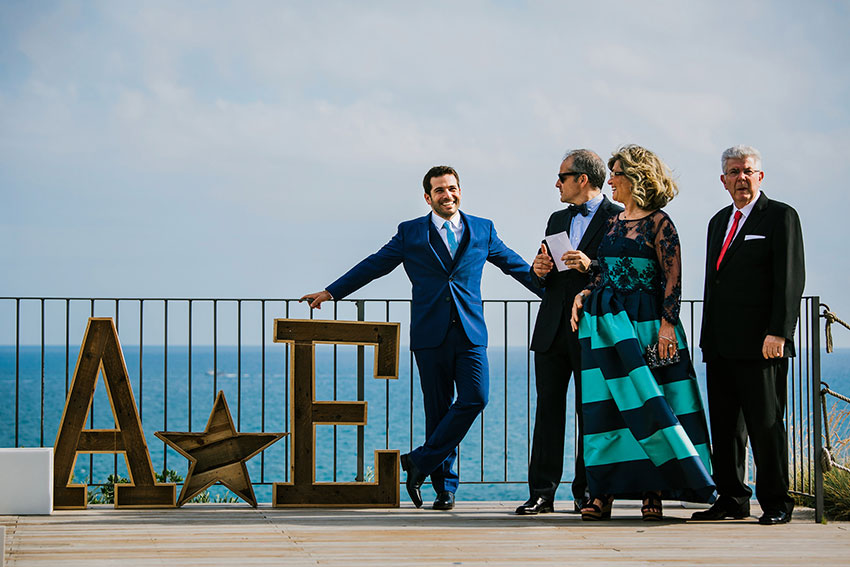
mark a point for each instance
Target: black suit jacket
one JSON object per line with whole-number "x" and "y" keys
{"x": 757, "y": 290}
{"x": 560, "y": 288}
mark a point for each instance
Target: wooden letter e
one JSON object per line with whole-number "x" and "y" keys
{"x": 306, "y": 412}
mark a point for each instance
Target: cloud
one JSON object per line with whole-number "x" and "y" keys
{"x": 235, "y": 129}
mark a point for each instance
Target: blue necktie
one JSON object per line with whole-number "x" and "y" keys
{"x": 450, "y": 238}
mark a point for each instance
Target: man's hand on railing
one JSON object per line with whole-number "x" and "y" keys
{"x": 316, "y": 299}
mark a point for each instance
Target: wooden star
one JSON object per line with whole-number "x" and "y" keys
{"x": 218, "y": 454}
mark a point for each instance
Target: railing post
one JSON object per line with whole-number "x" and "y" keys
{"x": 361, "y": 393}
{"x": 816, "y": 414}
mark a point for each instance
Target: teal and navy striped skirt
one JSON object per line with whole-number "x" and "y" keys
{"x": 643, "y": 429}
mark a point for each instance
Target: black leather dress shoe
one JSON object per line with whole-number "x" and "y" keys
{"x": 445, "y": 501}
{"x": 773, "y": 518}
{"x": 539, "y": 505}
{"x": 415, "y": 478}
{"x": 721, "y": 512}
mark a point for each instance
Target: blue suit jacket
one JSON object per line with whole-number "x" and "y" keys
{"x": 436, "y": 284}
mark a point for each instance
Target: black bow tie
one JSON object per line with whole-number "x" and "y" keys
{"x": 578, "y": 209}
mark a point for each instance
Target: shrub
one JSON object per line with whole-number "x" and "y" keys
{"x": 836, "y": 494}
{"x": 105, "y": 493}
{"x": 836, "y": 482}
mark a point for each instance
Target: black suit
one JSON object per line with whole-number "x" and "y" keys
{"x": 557, "y": 355}
{"x": 755, "y": 293}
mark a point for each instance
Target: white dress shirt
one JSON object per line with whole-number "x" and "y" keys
{"x": 745, "y": 212}
{"x": 456, "y": 224}
{"x": 579, "y": 223}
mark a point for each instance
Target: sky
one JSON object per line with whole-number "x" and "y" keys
{"x": 260, "y": 149}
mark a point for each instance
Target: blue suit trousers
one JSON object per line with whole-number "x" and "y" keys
{"x": 455, "y": 365}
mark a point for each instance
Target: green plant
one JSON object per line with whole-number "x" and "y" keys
{"x": 168, "y": 475}
{"x": 836, "y": 482}
{"x": 838, "y": 423}
{"x": 105, "y": 493}
{"x": 836, "y": 494}
{"x": 206, "y": 498}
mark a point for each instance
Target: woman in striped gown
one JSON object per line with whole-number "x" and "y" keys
{"x": 645, "y": 433}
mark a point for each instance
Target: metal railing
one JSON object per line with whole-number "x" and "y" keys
{"x": 181, "y": 351}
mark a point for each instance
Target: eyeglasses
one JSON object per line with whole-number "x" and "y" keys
{"x": 747, "y": 172}
{"x": 563, "y": 176}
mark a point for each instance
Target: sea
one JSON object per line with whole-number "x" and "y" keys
{"x": 493, "y": 458}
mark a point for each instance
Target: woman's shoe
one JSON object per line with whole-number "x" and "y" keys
{"x": 651, "y": 509}
{"x": 598, "y": 508}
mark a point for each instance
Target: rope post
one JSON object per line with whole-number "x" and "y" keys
{"x": 826, "y": 435}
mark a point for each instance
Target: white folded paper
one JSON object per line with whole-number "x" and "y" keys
{"x": 558, "y": 245}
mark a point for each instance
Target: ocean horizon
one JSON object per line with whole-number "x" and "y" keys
{"x": 493, "y": 457}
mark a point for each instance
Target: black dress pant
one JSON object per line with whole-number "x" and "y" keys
{"x": 748, "y": 398}
{"x": 553, "y": 369}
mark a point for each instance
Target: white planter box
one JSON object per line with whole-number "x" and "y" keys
{"x": 26, "y": 481}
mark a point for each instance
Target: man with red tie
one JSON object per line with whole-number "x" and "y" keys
{"x": 754, "y": 279}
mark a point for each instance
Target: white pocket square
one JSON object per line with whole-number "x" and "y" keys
{"x": 753, "y": 237}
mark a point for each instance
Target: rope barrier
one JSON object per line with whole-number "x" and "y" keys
{"x": 830, "y": 319}
{"x": 827, "y": 460}
{"x": 826, "y": 390}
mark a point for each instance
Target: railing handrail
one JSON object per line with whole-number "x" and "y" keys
{"x": 155, "y": 328}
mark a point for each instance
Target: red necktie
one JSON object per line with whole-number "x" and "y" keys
{"x": 729, "y": 237}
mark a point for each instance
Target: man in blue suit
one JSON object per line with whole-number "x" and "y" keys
{"x": 443, "y": 254}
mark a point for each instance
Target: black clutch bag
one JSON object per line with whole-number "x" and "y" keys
{"x": 655, "y": 361}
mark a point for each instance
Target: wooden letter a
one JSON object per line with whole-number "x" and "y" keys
{"x": 303, "y": 490}
{"x": 101, "y": 349}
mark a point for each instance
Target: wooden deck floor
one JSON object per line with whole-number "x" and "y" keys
{"x": 474, "y": 533}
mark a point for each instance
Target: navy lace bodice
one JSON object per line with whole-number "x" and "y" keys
{"x": 643, "y": 255}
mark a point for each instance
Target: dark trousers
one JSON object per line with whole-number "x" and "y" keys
{"x": 552, "y": 370}
{"x": 457, "y": 365}
{"x": 748, "y": 398}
